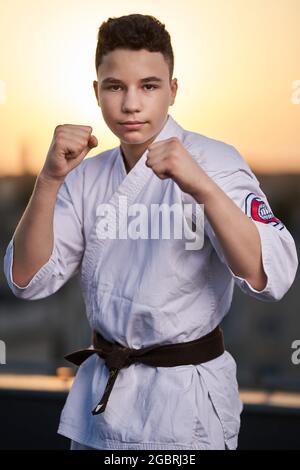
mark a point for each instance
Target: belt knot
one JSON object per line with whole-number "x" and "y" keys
{"x": 117, "y": 357}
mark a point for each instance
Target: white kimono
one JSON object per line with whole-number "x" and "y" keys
{"x": 141, "y": 292}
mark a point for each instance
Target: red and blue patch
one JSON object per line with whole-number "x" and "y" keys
{"x": 257, "y": 209}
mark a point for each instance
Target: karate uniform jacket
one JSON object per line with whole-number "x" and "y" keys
{"x": 141, "y": 292}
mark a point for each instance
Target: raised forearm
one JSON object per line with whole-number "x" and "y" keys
{"x": 237, "y": 234}
{"x": 33, "y": 238}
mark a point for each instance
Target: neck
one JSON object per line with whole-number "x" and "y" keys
{"x": 132, "y": 153}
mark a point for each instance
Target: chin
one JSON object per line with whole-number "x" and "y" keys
{"x": 134, "y": 142}
{"x": 134, "y": 139}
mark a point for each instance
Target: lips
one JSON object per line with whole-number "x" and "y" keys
{"x": 133, "y": 125}
{"x": 132, "y": 122}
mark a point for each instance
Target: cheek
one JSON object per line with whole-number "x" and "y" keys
{"x": 163, "y": 100}
{"x": 157, "y": 104}
{"x": 106, "y": 100}
{"x": 108, "y": 106}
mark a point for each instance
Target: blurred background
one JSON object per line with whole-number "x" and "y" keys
{"x": 238, "y": 70}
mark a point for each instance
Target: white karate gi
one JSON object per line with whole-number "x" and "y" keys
{"x": 144, "y": 292}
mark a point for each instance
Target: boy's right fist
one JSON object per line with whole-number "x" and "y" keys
{"x": 70, "y": 144}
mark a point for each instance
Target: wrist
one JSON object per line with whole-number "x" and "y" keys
{"x": 48, "y": 182}
{"x": 203, "y": 190}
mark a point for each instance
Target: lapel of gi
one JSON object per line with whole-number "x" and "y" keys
{"x": 130, "y": 187}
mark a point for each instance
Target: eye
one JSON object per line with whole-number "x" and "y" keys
{"x": 113, "y": 86}
{"x": 149, "y": 84}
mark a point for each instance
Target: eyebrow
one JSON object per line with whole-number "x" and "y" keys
{"x": 143, "y": 80}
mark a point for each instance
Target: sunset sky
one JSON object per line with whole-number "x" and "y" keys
{"x": 236, "y": 62}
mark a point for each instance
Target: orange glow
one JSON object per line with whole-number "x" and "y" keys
{"x": 235, "y": 61}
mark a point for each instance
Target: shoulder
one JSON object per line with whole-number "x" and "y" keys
{"x": 214, "y": 156}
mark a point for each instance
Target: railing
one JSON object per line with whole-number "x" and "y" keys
{"x": 30, "y": 406}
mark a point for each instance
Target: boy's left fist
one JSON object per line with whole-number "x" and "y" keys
{"x": 169, "y": 159}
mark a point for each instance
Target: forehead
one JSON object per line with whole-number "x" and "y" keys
{"x": 126, "y": 61}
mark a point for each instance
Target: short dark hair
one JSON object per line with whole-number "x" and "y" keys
{"x": 134, "y": 32}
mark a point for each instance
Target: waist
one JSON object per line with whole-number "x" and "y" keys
{"x": 116, "y": 356}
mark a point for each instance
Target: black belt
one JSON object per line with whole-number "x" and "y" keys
{"x": 116, "y": 356}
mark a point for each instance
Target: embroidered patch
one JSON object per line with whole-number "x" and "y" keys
{"x": 257, "y": 209}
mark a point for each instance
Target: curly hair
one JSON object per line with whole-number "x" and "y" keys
{"x": 134, "y": 32}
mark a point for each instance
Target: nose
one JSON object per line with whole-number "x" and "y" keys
{"x": 131, "y": 102}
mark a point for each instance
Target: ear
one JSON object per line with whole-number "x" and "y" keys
{"x": 95, "y": 85}
{"x": 174, "y": 87}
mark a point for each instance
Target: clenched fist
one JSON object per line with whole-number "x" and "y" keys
{"x": 70, "y": 144}
{"x": 169, "y": 159}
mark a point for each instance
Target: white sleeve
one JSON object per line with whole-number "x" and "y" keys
{"x": 279, "y": 255}
{"x": 65, "y": 258}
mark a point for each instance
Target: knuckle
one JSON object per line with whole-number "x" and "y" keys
{"x": 173, "y": 156}
{"x": 172, "y": 162}
{"x": 59, "y": 141}
{"x": 58, "y": 128}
